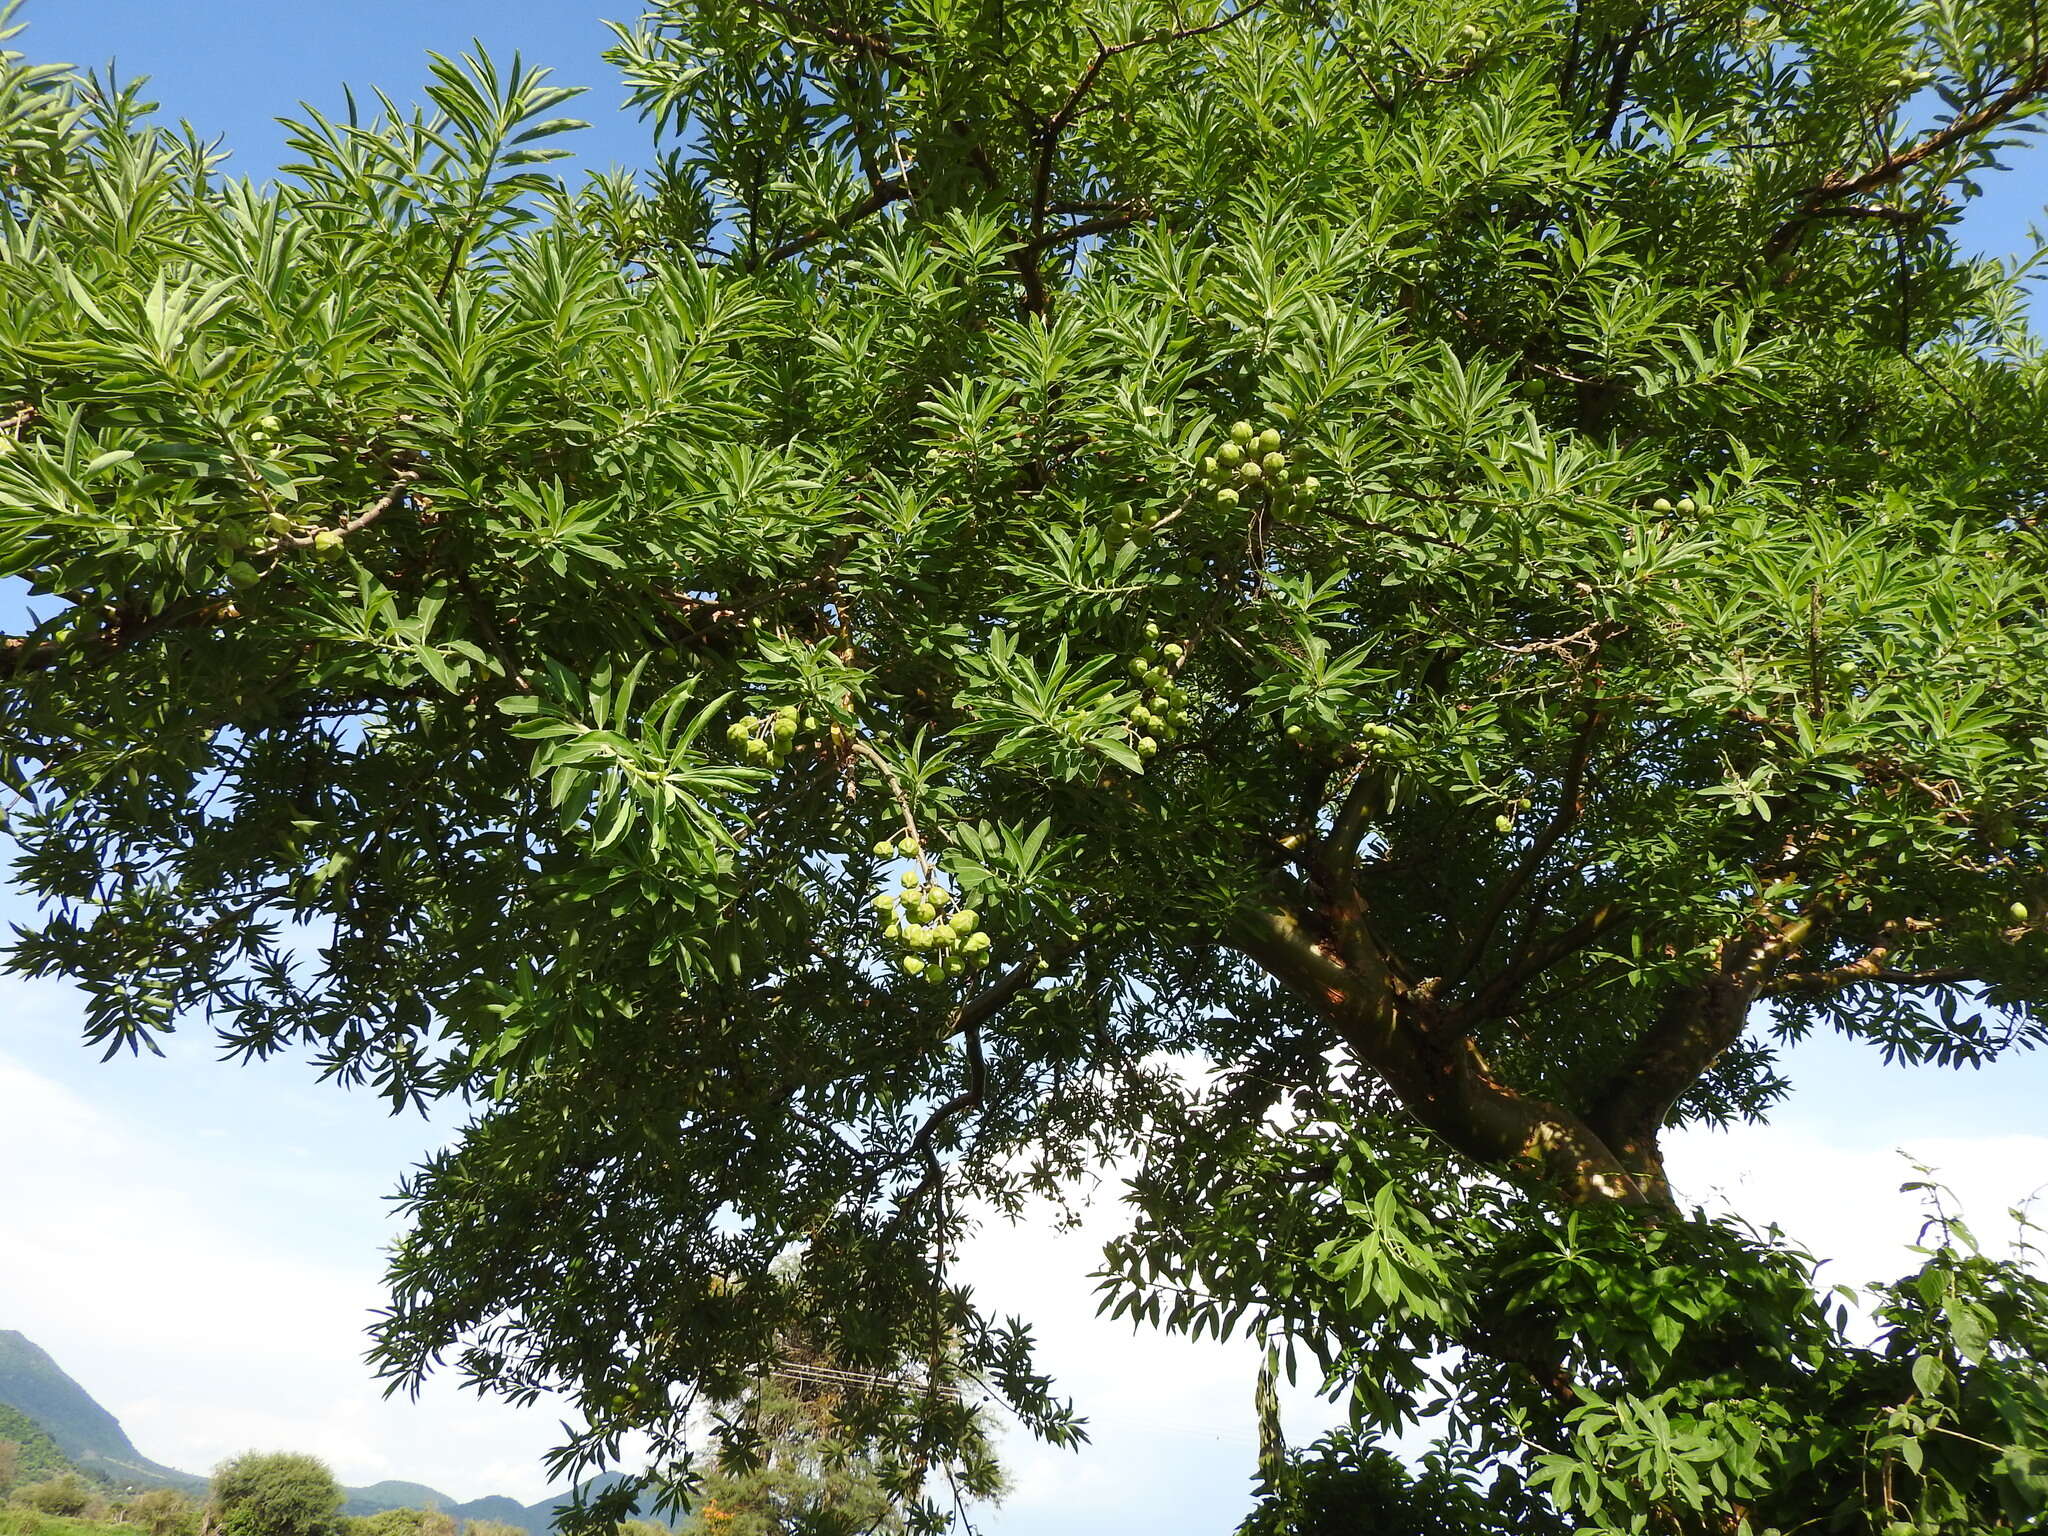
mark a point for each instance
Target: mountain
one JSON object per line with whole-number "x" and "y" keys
{"x": 33, "y": 1383}
{"x": 33, "y": 1387}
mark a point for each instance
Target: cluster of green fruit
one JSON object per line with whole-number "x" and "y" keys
{"x": 933, "y": 941}
{"x": 1161, "y": 713}
{"x": 1685, "y": 505}
{"x": 766, "y": 740}
{"x": 1250, "y": 462}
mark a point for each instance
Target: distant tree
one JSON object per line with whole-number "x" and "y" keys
{"x": 10, "y": 1464}
{"x": 494, "y": 1528}
{"x": 68, "y": 1494}
{"x": 163, "y": 1512}
{"x": 408, "y": 1522}
{"x": 796, "y": 1454}
{"x": 275, "y": 1494}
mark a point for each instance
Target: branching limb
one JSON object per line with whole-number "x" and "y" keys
{"x": 1842, "y": 186}
{"x": 1571, "y": 805}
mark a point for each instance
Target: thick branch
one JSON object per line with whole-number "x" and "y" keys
{"x": 1841, "y": 186}
{"x": 893, "y": 190}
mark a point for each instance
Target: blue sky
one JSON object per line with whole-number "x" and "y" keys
{"x": 199, "y": 1243}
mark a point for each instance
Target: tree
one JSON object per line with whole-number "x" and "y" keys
{"x": 67, "y": 1494}
{"x": 10, "y": 1464}
{"x": 797, "y": 1453}
{"x": 1471, "y": 570}
{"x": 277, "y": 1493}
{"x": 408, "y": 1522}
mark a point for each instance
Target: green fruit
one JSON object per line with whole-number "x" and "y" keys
{"x": 1211, "y": 468}
{"x": 1147, "y": 747}
{"x": 1172, "y": 651}
{"x": 885, "y": 850}
{"x": 912, "y": 965}
{"x": 1504, "y": 823}
{"x": 1268, "y": 440}
{"x": 1274, "y": 463}
{"x": 327, "y": 542}
{"x": 1687, "y": 504}
{"x": 1229, "y": 455}
{"x": 1250, "y": 473}
{"x": 923, "y": 911}
{"x": 941, "y": 897}
{"x": 1310, "y": 485}
{"x": 1660, "y": 505}
{"x": 1151, "y": 631}
{"x": 1294, "y": 733}
{"x": 1140, "y": 666}
{"x": 2019, "y": 912}
{"x": 808, "y": 724}
{"x": 909, "y": 878}
{"x": 918, "y": 938}
{"x": 1177, "y": 718}
{"x": 278, "y": 522}
{"x": 975, "y": 944}
{"x": 907, "y": 847}
{"x": 1226, "y": 497}
{"x": 886, "y": 902}
{"x": 965, "y": 921}
{"x": 1241, "y": 432}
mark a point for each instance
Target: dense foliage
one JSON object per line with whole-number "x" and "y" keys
{"x": 276, "y": 1493}
{"x": 27, "y": 1453}
{"x": 1469, "y": 568}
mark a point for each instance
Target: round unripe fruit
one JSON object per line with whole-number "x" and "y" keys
{"x": 1229, "y": 454}
{"x": 278, "y": 522}
{"x": 2018, "y": 911}
{"x": 1687, "y": 504}
{"x": 886, "y": 902}
{"x": 1274, "y": 463}
{"x": 270, "y": 423}
{"x": 327, "y": 542}
{"x": 1147, "y": 747}
{"x": 1250, "y": 473}
{"x": 1504, "y": 823}
{"x": 1294, "y": 733}
{"x": 1310, "y": 485}
{"x": 1660, "y": 505}
{"x": 1151, "y": 631}
{"x": 1226, "y": 497}
{"x": 1268, "y": 440}
{"x": 885, "y": 849}
{"x": 1241, "y": 432}
{"x": 1172, "y": 650}
{"x": 1210, "y": 467}
{"x": 912, "y": 966}
{"x": 1140, "y": 666}
{"x": 965, "y": 921}
{"x": 941, "y": 897}
{"x": 908, "y": 848}
{"x": 975, "y": 944}
{"x": 909, "y": 878}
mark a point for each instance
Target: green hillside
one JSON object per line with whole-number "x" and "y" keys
{"x": 37, "y": 1455}
{"x": 35, "y": 1385}
{"x": 56, "y": 1414}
